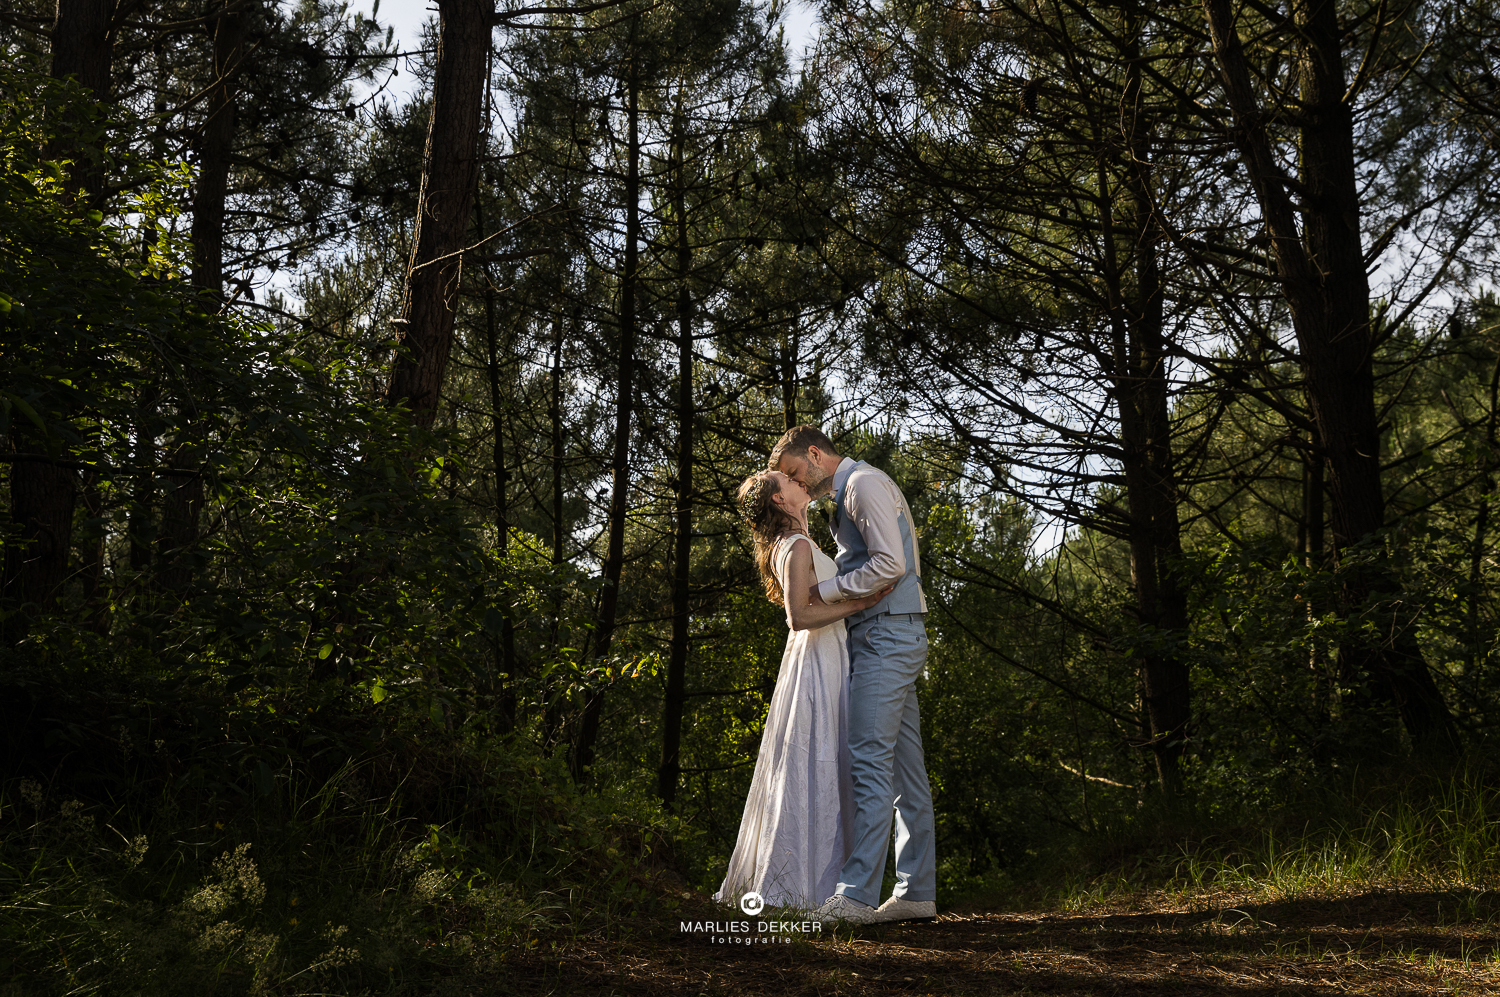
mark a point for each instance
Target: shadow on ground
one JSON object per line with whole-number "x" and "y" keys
{"x": 1384, "y": 943}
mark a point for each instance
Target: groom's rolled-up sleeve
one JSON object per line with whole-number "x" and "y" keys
{"x": 873, "y": 505}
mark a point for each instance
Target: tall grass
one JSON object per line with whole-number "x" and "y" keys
{"x": 1434, "y": 835}
{"x": 320, "y": 887}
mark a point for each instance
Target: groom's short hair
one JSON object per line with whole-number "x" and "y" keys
{"x": 795, "y": 441}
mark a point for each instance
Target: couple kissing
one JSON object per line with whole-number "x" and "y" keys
{"x": 840, "y": 759}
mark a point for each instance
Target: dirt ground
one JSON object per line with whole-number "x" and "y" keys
{"x": 1380, "y": 942}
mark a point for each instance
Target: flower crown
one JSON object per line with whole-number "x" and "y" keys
{"x": 750, "y": 503}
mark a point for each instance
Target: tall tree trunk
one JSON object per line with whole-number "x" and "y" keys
{"x": 80, "y": 43}
{"x": 142, "y": 523}
{"x": 449, "y": 168}
{"x": 182, "y": 504}
{"x": 1310, "y": 530}
{"x": 1322, "y": 273}
{"x": 554, "y": 416}
{"x": 1474, "y": 637}
{"x": 1313, "y": 540}
{"x": 506, "y": 648}
{"x": 214, "y": 146}
{"x": 1140, "y": 377}
{"x": 81, "y": 49}
{"x": 614, "y": 556}
{"x": 95, "y": 596}
{"x": 43, "y": 494}
{"x": 551, "y": 708}
{"x": 670, "y": 771}
{"x": 182, "y": 491}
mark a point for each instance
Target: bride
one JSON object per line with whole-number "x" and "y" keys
{"x": 795, "y": 831}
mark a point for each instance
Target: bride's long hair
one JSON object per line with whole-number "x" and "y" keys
{"x": 768, "y": 523}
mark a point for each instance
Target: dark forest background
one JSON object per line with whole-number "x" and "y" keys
{"x": 369, "y": 542}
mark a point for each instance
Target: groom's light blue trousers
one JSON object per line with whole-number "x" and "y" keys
{"x": 886, "y": 654}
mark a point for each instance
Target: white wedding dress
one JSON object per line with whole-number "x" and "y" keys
{"x": 797, "y": 824}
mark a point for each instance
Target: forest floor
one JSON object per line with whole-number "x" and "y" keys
{"x": 1386, "y": 941}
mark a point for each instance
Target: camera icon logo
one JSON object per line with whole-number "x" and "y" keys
{"x": 752, "y": 903}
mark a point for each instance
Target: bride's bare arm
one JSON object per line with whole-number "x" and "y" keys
{"x": 802, "y": 612}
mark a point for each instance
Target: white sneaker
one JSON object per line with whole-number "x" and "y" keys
{"x": 901, "y": 909}
{"x": 842, "y": 909}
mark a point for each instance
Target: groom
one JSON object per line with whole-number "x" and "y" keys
{"x": 887, "y": 651}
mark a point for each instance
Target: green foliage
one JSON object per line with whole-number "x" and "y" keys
{"x": 298, "y": 744}
{"x": 317, "y": 741}
{"x": 318, "y": 885}
{"x": 84, "y": 317}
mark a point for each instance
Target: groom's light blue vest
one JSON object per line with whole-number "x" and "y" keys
{"x": 906, "y": 597}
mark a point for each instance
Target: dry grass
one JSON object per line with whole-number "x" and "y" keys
{"x": 1399, "y": 900}
{"x": 327, "y": 897}
{"x": 1384, "y": 942}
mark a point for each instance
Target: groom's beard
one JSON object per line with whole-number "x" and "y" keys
{"x": 819, "y": 482}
